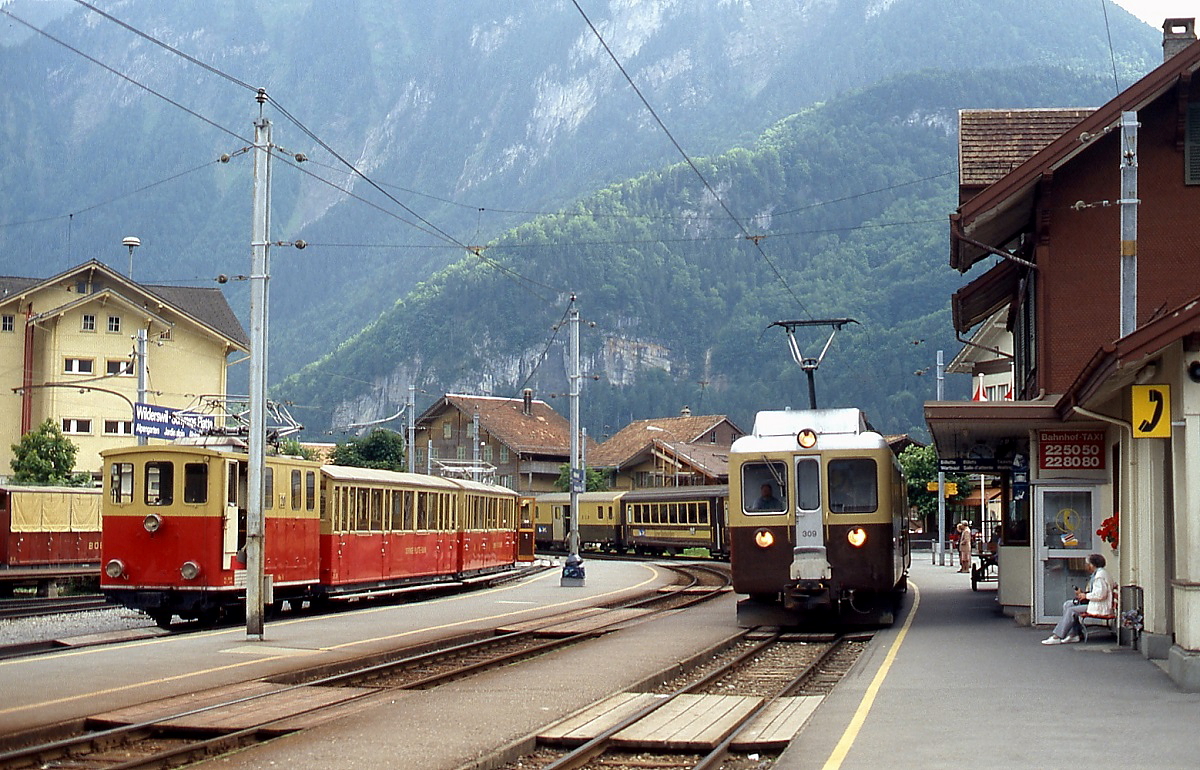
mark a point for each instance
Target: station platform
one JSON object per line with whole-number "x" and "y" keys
{"x": 77, "y": 683}
{"x": 956, "y": 683}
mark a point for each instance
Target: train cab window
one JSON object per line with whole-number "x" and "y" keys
{"x": 764, "y": 487}
{"x": 853, "y": 485}
{"x": 121, "y": 483}
{"x": 296, "y": 489}
{"x": 195, "y": 483}
{"x": 808, "y": 484}
{"x": 268, "y": 488}
{"x": 160, "y": 483}
{"x": 310, "y": 490}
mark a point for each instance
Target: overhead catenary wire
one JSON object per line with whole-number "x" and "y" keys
{"x": 704, "y": 180}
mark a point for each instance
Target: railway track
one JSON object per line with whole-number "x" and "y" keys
{"x": 14, "y": 609}
{"x": 765, "y": 668}
{"x": 184, "y": 729}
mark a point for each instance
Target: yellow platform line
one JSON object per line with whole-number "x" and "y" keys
{"x": 864, "y": 707}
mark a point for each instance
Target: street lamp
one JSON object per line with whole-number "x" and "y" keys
{"x": 131, "y": 241}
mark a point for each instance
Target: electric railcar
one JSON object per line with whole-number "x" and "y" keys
{"x": 818, "y": 521}
{"x": 174, "y": 530}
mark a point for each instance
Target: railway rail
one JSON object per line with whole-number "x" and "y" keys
{"x": 14, "y": 609}
{"x": 763, "y": 666}
{"x": 184, "y": 729}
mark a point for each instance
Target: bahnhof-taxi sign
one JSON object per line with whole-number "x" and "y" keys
{"x": 1064, "y": 450}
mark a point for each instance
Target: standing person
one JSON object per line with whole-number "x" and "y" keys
{"x": 1096, "y": 599}
{"x": 964, "y": 546}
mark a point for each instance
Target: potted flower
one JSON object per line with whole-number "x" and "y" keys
{"x": 1110, "y": 530}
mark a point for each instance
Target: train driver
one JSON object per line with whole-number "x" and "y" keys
{"x": 767, "y": 501}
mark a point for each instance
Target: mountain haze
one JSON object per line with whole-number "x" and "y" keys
{"x": 474, "y": 119}
{"x": 851, "y": 200}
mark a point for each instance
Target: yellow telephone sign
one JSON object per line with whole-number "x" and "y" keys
{"x": 1151, "y": 411}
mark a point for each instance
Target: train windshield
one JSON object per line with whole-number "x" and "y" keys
{"x": 764, "y": 487}
{"x": 808, "y": 484}
{"x": 853, "y": 485}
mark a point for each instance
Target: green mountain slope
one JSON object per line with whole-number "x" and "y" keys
{"x": 850, "y": 199}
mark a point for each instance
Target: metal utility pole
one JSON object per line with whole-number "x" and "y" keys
{"x": 475, "y": 445}
{"x": 573, "y": 572}
{"x": 142, "y": 369}
{"x": 941, "y": 377}
{"x": 412, "y": 426}
{"x": 1129, "y": 208}
{"x": 260, "y": 270}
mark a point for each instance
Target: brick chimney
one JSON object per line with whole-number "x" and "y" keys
{"x": 1178, "y": 34}
{"x": 527, "y": 406}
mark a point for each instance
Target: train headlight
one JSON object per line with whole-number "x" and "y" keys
{"x": 857, "y": 537}
{"x": 115, "y": 568}
{"x": 807, "y": 438}
{"x": 764, "y": 539}
{"x": 190, "y": 570}
{"x": 152, "y": 523}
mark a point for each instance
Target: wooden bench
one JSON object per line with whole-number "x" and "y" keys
{"x": 1107, "y": 622}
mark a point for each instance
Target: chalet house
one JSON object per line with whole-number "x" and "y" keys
{"x": 522, "y": 443}
{"x": 1087, "y": 223}
{"x": 68, "y": 347}
{"x": 668, "y": 452}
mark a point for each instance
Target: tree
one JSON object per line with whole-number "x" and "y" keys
{"x": 293, "y": 448}
{"x": 45, "y": 456}
{"x": 382, "y": 449}
{"x": 920, "y": 464}
{"x": 595, "y": 480}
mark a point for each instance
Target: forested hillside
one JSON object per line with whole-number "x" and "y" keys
{"x": 848, "y": 202}
{"x": 474, "y": 118}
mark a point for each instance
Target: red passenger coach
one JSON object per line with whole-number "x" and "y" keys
{"x": 174, "y": 530}
{"x": 386, "y": 527}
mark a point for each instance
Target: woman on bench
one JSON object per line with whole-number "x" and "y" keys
{"x": 1096, "y": 600}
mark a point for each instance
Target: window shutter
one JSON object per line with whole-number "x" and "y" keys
{"x": 1191, "y": 145}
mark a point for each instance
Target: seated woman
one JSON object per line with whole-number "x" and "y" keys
{"x": 1099, "y": 601}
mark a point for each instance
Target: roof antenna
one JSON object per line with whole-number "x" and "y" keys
{"x": 809, "y": 365}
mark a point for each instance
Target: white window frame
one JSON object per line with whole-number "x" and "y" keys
{"x": 88, "y": 322}
{"x": 123, "y": 427}
{"x": 114, "y": 324}
{"x": 8, "y": 323}
{"x": 79, "y": 366}
{"x": 125, "y": 370}
{"x": 76, "y": 426}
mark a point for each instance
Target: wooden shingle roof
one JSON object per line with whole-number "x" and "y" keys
{"x": 991, "y": 143}
{"x": 635, "y": 437}
{"x": 542, "y": 431}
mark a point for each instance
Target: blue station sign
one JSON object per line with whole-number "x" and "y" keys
{"x": 153, "y": 421}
